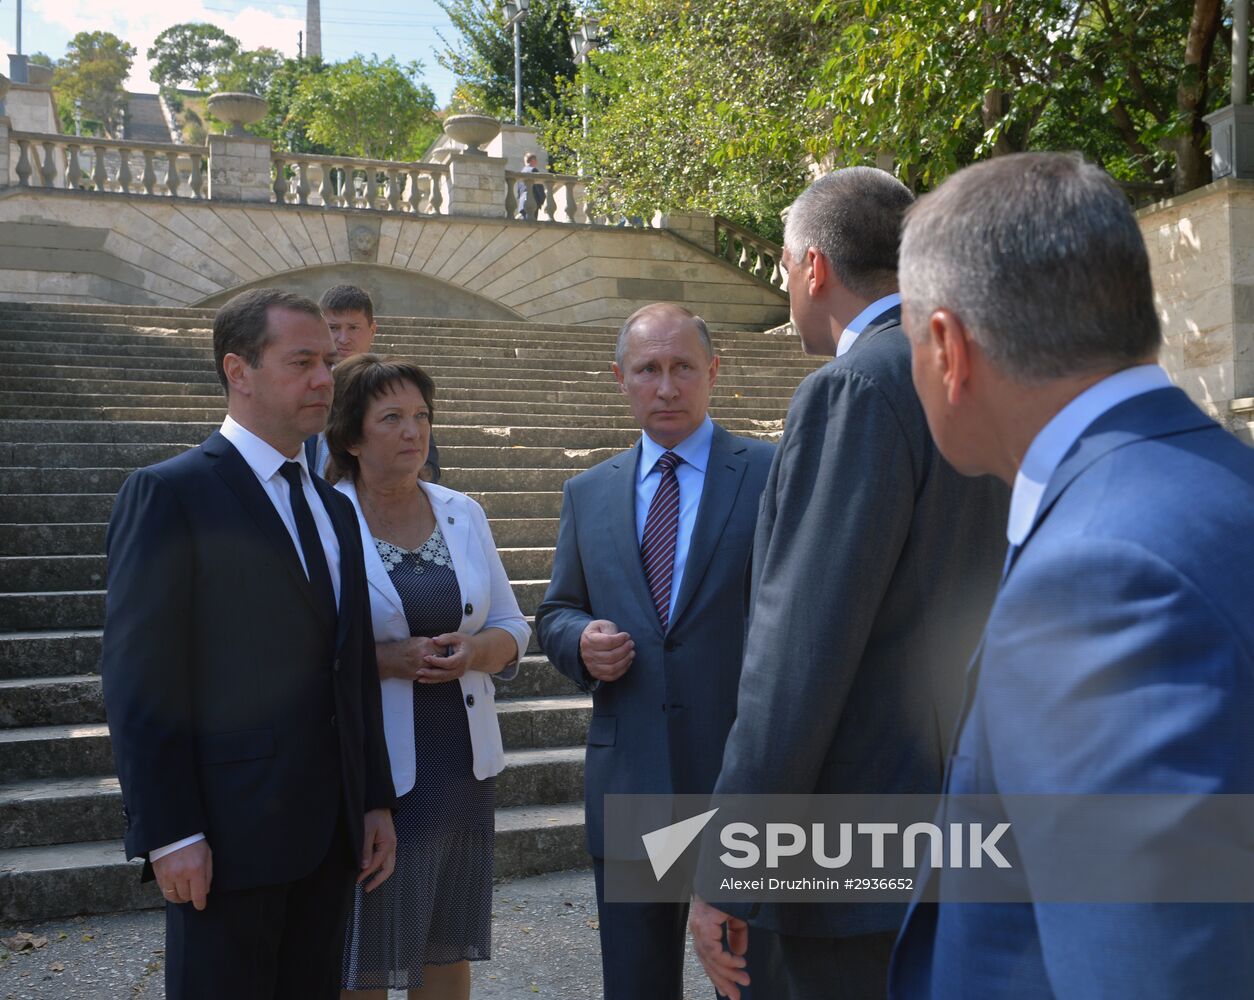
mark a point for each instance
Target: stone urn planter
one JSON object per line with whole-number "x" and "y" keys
{"x": 472, "y": 131}
{"x": 238, "y": 110}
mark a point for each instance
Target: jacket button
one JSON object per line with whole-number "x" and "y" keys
{"x": 333, "y": 722}
{"x": 336, "y": 665}
{"x": 470, "y": 700}
{"x": 670, "y": 645}
{"x": 470, "y": 608}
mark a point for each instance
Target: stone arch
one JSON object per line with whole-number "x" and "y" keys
{"x": 396, "y": 291}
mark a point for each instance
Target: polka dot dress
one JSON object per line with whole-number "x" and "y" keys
{"x": 436, "y": 908}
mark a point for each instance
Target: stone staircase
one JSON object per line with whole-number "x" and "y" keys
{"x": 90, "y": 393}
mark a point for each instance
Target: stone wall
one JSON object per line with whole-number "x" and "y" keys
{"x": 31, "y": 109}
{"x": 110, "y": 248}
{"x": 1201, "y": 248}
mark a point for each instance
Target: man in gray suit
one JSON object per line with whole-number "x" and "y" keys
{"x": 874, "y": 567}
{"x": 646, "y": 611}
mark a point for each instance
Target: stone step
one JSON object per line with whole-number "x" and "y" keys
{"x": 56, "y": 539}
{"x": 504, "y": 480}
{"x": 519, "y": 504}
{"x": 51, "y": 701}
{"x": 51, "y": 610}
{"x": 84, "y": 609}
{"x": 536, "y": 678}
{"x": 43, "y": 883}
{"x": 50, "y": 508}
{"x": 54, "y": 653}
{"x": 36, "y": 479}
{"x": 68, "y": 750}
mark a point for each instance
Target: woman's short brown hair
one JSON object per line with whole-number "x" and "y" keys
{"x": 359, "y": 381}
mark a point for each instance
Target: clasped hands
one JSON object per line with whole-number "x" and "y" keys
{"x": 606, "y": 652}
{"x": 429, "y": 661}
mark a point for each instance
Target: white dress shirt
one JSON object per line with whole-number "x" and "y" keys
{"x": 695, "y": 452}
{"x": 265, "y": 462}
{"x": 1054, "y": 440}
{"x": 864, "y": 319}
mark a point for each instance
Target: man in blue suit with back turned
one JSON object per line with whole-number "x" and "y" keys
{"x": 1119, "y": 655}
{"x": 646, "y": 610}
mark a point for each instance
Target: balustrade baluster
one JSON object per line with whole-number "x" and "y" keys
{"x": 511, "y": 198}
{"x": 124, "y": 170}
{"x": 326, "y": 187}
{"x": 777, "y": 275}
{"x": 196, "y": 180}
{"x": 100, "y": 169}
{"x": 414, "y": 196}
{"x": 550, "y": 200}
{"x": 73, "y": 170}
{"x": 759, "y": 267}
{"x": 437, "y": 193}
{"x": 743, "y": 262}
{"x": 279, "y": 187}
{"x": 23, "y": 163}
{"x": 48, "y": 171}
{"x": 149, "y": 179}
{"x": 394, "y": 190}
{"x": 173, "y": 180}
{"x": 568, "y": 189}
{"x": 302, "y": 184}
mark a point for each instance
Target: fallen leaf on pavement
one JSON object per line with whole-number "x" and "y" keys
{"x": 24, "y": 941}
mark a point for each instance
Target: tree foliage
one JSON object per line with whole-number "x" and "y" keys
{"x": 368, "y": 108}
{"x": 190, "y": 54}
{"x": 483, "y": 58}
{"x": 93, "y": 70}
{"x": 249, "y": 71}
{"x": 696, "y": 106}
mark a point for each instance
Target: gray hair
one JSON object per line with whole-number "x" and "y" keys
{"x": 853, "y": 216}
{"x": 1040, "y": 257}
{"x": 624, "y": 331}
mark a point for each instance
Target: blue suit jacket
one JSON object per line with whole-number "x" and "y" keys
{"x": 659, "y": 728}
{"x": 1119, "y": 658}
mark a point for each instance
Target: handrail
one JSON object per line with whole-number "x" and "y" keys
{"x": 109, "y": 166}
{"x": 91, "y": 140}
{"x": 347, "y": 182}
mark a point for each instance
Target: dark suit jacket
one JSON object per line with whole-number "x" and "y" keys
{"x": 874, "y": 566}
{"x": 660, "y": 727}
{"x": 1119, "y": 659}
{"x": 234, "y": 709}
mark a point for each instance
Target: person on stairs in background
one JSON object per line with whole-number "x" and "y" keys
{"x": 349, "y": 311}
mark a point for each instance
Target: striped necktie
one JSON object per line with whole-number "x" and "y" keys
{"x": 661, "y": 530}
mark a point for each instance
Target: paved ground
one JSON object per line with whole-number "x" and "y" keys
{"x": 544, "y": 943}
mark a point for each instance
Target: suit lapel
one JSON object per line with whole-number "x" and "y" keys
{"x": 230, "y": 465}
{"x": 1156, "y": 414}
{"x": 620, "y": 507}
{"x": 376, "y": 573}
{"x": 723, "y": 475}
{"x": 455, "y": 526}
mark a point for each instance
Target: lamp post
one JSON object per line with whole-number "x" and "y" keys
{"x": 1232, "y": 127}
{"x": 515, "y": 12}
{"x": 582, "y": 42}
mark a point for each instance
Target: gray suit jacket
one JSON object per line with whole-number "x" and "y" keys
{"x": 874, "y": 568}
{"x": 660, "y": 727}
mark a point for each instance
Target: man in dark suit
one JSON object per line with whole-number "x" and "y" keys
{"x": 240, "y": 678}
{"x": 646, "y": 610}
{"x": 1119, "y": 656}
{"x": 874, "y": 566}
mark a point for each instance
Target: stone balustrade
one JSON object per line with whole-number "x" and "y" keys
{"x": 565, "y": 198}
{"x": 749, "y": 252}
{"x": 344, "y": 182}
{"x": 83, "y": 163}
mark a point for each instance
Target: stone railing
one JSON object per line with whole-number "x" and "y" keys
{"x": 83, "y": 163}
{"x": 749, "y": 252}
{"x": 343, "y": 182}
{"x": 565, "y": 198}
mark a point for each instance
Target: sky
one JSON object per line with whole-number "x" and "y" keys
{"x": 406, "y": 29}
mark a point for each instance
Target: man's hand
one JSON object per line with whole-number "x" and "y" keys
{"x": 378, "y": 848}
{"x": 186, "y": 874}
{"x": 725, "y": 968}
{"x": 606, "y": 652}
{"x": 405, "y": 659}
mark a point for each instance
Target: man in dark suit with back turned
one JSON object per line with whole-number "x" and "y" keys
{"x": 646, "y": 610}
{"x": 874, "y": 566}
{"x": 240, "y": 678}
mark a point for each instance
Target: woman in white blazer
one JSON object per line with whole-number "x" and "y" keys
{"x": 443, "y": 612}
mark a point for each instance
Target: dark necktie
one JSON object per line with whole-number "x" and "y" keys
{"x": 661, "y": 530}
{"x": 310, "y": 543}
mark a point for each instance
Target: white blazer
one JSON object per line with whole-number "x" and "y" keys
{"x": 488, "y": 602}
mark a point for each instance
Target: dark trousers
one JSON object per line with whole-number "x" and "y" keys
{"x": 642, "y": 950}
{"x": 846, "y": 968}
{"x": 278, "y": 942}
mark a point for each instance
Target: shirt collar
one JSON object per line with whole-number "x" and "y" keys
{"x": 261, "y": 456}
{"x": 1055, "y": 439}
{"x": 694, "y": 449}
{"x": 864, "y": 319}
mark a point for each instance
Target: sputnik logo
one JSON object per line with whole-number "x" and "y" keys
{"x": 665, "y": 846}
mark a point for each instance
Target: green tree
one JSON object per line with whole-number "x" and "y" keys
{"x": 695, "y": 106}
{"x": 41, "y": 59}
{"x": 93, "y": 70}
{"x": 249, "y": 71}
{"x": 483, "y": 58}
{"x": 190, "y": 54}
{"x": 368, "y": 108}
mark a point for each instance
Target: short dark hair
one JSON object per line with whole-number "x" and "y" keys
{"x": 359, "y": 381}
{"x": 854, "y": 217}
{"x": 347, "y": 298}
{"x": 242, "y": 326}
